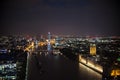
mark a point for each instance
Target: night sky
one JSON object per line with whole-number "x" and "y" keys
{"x": 74, "y": 17}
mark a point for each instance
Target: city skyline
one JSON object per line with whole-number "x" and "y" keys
{"x": 74, "y": 17}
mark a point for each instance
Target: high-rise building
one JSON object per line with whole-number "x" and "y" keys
{"x": 48, "y": 44}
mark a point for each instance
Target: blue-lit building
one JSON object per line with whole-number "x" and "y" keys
{"x": 49, "y": 45}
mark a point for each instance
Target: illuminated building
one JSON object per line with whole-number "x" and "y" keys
{"x": 92, "y": 49}
{"x": 115, "y": 72}
{"x": 49, "y": 45}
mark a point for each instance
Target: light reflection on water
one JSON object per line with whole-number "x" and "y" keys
{"x": 59, "y": 67}
{"x": 92, "y": 73}
{"x": 81, "y": 70}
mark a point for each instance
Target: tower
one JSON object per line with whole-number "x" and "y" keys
{"x": 93, "y": 49}
{"x": 49, "y": 45}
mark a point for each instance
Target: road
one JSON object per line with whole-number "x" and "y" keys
{"x": 51, "y": 67}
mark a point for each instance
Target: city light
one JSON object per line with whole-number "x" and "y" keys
{"x": 30, "y": 47}
{"x": 42, "y": 43}
{"x": 94, "y": 55}
{"x": 118, "y": 59}
{"x": 115, "y": 72}
{"x": 92, "y": 49}
{"x": 91, "y": 64}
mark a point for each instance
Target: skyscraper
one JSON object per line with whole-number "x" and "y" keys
{"x": 48, "y": 44}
